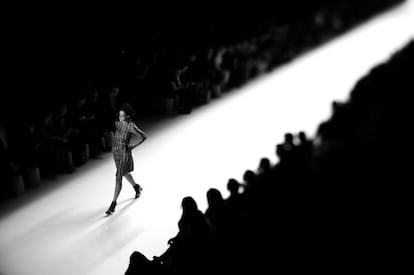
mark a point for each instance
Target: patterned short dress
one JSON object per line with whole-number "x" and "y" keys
{"x": 122, "y": 154}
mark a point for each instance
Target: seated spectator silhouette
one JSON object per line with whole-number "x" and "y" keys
{"x": 78, "y": 118}
{"x": 25, "y": 144}
{"x": 223, "y": 225}
{"x": 305, "y": 144}
{"x": 304, "y": 155}
{"x": 182, "y": 88}
{"x": 250, "y": 182}
{"x": 280, "y": 172}
{"x": 112, "y": 103}
{"x": 217, "y": 213}
{"x": 289, "y": 153}
{"x": 96, "y": 117}
{"x": 6, "y": 165}
{"x": 87, "y": 124}
{"x": 49, "y": 143}
{"x": 234, "y": 201}
{"x": 68, "y": 139}
{"x": 139, "y": 264}
{"x": 190, "y": 248}
{"x": 264, "y": 172}
{"x": 289, "y": 144}
{"x": 251, "y": 191}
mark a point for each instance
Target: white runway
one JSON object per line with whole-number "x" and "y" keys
{"x": 61, "y": 229}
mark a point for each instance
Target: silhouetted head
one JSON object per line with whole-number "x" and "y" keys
{"x": 93, "y": 95}
{"x": 289, "y": 138}
{"x": 126, "y": 112}
{"x": 280, "y": 151}
{"x": 47, "y": 115}
{"x": 249, "y": 177}
{"x": 210, "y": 52}
{"x": 138, "y": 258}
{"x": 335, "y": 105}
{"x": 62, "y": 110}
{"x": 233, "y": 186}
{"x": 192, "y": 58}
{"x": 264, "y": 165}
{"x": 31, "y": 125}
{"x": 115, "y": 90}
{"x": 302, "y": 138}
{"x": 214, "y": 197}
{"x": 138, "y": 262}
{"x": 189, "y": 205}
{"x": 80, "y": 99}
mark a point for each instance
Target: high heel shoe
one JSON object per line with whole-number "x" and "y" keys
{"x": 138, "y": 190}
{"x": 111, "y": 208}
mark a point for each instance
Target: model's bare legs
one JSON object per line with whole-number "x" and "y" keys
{"x": 130, "y": 179}
{"x": 118, "y": 187}
{"x": 136, "y": 186}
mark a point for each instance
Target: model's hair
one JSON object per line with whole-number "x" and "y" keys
{"x": 127, "y": 108}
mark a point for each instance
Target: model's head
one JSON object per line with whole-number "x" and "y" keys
{"x": 126, "y": 112}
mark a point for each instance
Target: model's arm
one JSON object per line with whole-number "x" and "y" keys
{"x": 138, "y": 132}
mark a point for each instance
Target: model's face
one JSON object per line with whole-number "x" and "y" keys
{"x": 122, "y": 116}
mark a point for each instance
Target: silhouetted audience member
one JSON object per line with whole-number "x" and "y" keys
{"x": 66, "y": 136}
{"x": 190, "y": 249}
{"x": 48, "y": 146}
{"x": 111, "y": 102}
{"x": 87, "y": 122}
{"x": 95, "y": 112}
{"x": 217, "y": 213}
{"x": 25, "y": 145}
{"x": 183, "y": 90}
{"x": 7, "y": 166}
{"x": 139, "y": 264}
{"x": 250, "y": 182}
{"x": 304, "y": 151}
{"x": 224, "y": 227}
{"x": 235, "y": 200}
{"x": 264, "y": 171}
